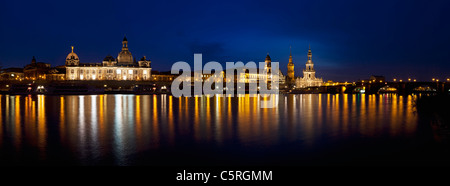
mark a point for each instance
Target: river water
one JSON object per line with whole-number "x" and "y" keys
{"x": 303, "y": 129}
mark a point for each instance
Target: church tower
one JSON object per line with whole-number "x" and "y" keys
{"x": 268, "y": 65}
{"x": 309, "y": 72}
{"x": 290, "y": 66}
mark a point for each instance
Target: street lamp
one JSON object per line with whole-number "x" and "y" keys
{"x": 433, "y": 79}
{"x": 409, "y": 79}
{"x": 395, "y": 80}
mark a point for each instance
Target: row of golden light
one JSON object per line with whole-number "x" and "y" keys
{"x": 401, "y": 80}
{"x": 409, "y": 79}
{"x": 373, "y": 81}
{"x": 437, "y": 80}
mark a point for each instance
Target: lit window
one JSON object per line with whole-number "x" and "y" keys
{"x": 124, "y": 77}
{"x": 130, "y": 71}
{"x": 118, "y": 71}
{"x": 145, "y": 72}
{"x": 81, "y": 77}
{"x": 93, "y": 77}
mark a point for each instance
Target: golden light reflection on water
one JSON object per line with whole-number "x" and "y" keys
{"x": 139, "y": 138}
{"x": 17, "y": 123}
{"x": 154, "y": 124}
{"x": 98, "y": 125}
{"x": 102, "y": 110}
{"x": 1, "y": 121}
{"x": 62, "y": 121}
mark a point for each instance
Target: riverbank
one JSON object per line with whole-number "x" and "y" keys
{"x": 436, "y": 108}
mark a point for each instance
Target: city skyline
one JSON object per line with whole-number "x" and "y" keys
{"x": 248, "y": 91}
{"x": 390, "y": 39}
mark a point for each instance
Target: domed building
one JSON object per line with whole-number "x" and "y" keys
{"x": 125, "y": 56}
{"x": 72, "y": 59}
{"x": 124, "y": 68}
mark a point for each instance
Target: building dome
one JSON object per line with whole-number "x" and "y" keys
{"x": 72, "y": 59}
{"x": 125, "y": 55}
{"x": 72, "y": 56}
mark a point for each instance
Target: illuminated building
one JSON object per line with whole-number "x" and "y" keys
{"x": 11, "y": 74}
{"x": 163, "y": 76}
{"x": 56, "y": 74}
{"x": 36, "y": 70}
{"x": 252, "y": 75}
{"x": 124, "y": 68}
{"x": 309, "y": 75}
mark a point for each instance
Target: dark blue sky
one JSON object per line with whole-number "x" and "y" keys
{"x": 350, "y": 40}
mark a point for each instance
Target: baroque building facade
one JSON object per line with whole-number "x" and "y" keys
{"x": 124, "y": 68}
{"x": 309, "y": 78}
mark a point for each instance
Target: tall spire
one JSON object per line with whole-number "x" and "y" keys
{"x": 309, "y": 54}
{"x": 290, "y": 54}
{"x": 268, "y": 58}
{"x": 72, "y": 48}
{"x": 290, "y": 50}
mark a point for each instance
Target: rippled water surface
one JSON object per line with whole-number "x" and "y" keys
{"x": 307, "y": 129}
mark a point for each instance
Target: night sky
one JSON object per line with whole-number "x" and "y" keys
{"x": 350, "y": 40}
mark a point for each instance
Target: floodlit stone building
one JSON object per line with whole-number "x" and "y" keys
{"x": 309, "y": 78}
{"x": 123, "y": 68}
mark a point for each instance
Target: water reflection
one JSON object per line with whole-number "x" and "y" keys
{"x": 115, "y": 128}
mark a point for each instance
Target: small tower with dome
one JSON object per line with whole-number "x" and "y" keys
{"x": 125, "y": 56}
{"x": 72, "y": 59}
